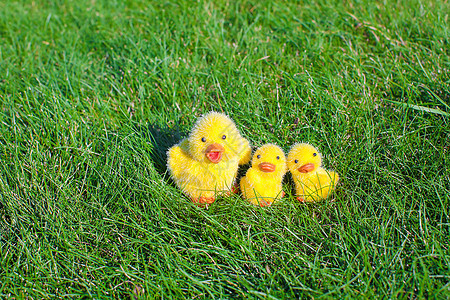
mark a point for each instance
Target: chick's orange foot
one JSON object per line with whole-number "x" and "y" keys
{"x": 232, "y": 191}
{"x": 235, "y": 188}
{"x": 300, "y": 199}
{"x": 203, "y": 200}
{"x": 263, "y": 203}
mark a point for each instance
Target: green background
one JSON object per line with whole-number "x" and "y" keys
{"x": 93, "y": 93}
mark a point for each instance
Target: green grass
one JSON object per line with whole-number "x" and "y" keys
{"x": 94, "y": 92}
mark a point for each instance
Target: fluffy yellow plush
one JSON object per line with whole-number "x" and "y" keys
{"x": 206, "y": 162}
{"x": 312, "y": 182}
{"x": 262, "y": 184}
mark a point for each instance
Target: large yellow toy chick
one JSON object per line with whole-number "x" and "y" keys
{"x": 262, "y": 185}
{"x": 206, "y": 162}
{"x": 312, "y": 182}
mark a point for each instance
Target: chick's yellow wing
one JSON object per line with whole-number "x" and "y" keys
{"x": 253, "y": 177}
{"x": 320, "y": 185}
{"x": 249, "y": 184}
{"x": 178, "y": 158}
{"x": 327, "y": 178}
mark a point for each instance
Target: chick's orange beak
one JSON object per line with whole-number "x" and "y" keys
{"x": 214, "y": 152}
{"x": 306, "y": 168}
{"x": 267, "y": 167}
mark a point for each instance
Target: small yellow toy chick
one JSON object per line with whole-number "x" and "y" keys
{"x": 261, "y": 185}
{"x": 206, "y": 162}
{"x": 312, "y": 182}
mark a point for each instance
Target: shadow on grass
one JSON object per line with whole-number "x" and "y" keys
{"x": 161, "y": 139}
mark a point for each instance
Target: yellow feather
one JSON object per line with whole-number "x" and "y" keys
{"x": 194, "y": 173}
{"x": 314, "y": 184}
{"x": 262, "y": 184}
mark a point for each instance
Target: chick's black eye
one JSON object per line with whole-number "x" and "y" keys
{"x": 296, "y": 161}
{"x": 314, "y": 154}
{"x": 258, "y": 156}
{"x": 278, "y": 157}
{"x": 203, "y": 139}
{"x": 224, "y": 137}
